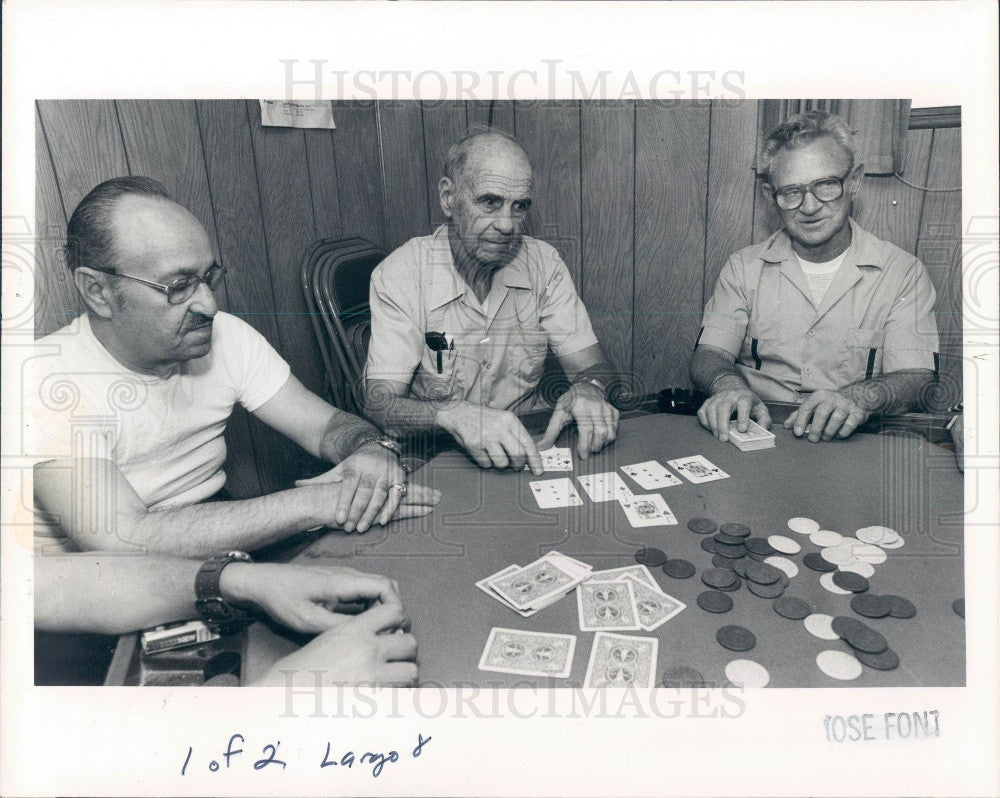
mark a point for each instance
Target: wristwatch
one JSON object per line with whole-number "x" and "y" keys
{"x": 385, "y": 442}
{"x": 225, "y": 615}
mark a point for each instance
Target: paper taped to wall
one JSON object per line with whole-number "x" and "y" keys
{"x": 297, "y": 113}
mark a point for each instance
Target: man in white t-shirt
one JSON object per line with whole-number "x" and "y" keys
{"x": 822, "y": 313}
{"x": 131, "y": 401}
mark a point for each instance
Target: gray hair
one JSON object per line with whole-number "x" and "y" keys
{"x": 458, "y": 153}
{"x": 803, "y": 129}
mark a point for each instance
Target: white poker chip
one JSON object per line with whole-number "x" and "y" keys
{"x": 867, "y": 570}
{"x": 866, "y": 552}
{"x": 827, "y": 581}
{"x": 820, "y": 625}
{"x": 896, "y": 544}
{"x": 824, "y": 538}
{"x": 841, "y": 554}
{"x": 838, "y": 665}
{"x": 786, "y": 565}
{"x": 877, "y": 535}
{"x": 747, "y": 673}
{"x": 804, "y": 526}
{"x": 784, "y": 545}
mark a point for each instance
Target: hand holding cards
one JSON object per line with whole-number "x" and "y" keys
{"x": 756, "y": 437}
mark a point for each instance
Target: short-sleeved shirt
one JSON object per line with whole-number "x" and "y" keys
{"x": 876, "y": 317}
{"x": 499, "y": 352}
{"x": 165, "y": 434}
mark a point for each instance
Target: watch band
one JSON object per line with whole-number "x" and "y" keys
{"x": 223, "y": 614}
{"x": 385, "y": 442}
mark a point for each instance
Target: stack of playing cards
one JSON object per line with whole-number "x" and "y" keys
{"x": 756, "y": 437}
{"x": 624, "y": 599}
{"x": 536, "y": 586}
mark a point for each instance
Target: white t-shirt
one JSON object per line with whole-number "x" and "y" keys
{"x": 164, "y": 434}
{"x": 819, "y": 276}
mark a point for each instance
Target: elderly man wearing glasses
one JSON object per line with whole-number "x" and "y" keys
{"x": 822, "y": 313}
{"x": 133, "y": 398}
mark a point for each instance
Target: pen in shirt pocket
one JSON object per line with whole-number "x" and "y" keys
{"x": 438, "y": 342}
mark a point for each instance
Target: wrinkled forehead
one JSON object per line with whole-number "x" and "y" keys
{"x": 823, "y": 157}
{"x": 500, "y": 169}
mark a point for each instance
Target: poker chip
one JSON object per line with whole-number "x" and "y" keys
{"x": 679, "y": 569}
{"x": 886, "y": 661}
{"x": 740, "y": 566}
{"x": 827, "y": 581}
{"x": 795, "y": 609}
{"x": 896, "y": 544}
{"x": 784, "y": 545}
{"x": 714, "y": 601}
{"x": 847, "y": 580}
{"x": 747, "y": 673}
{"x": 877, "y": 535}
{"x": 958, "y": 605}
{"x": 841, "y": 554}
{"x": 680, "y": 676}
{"x": 719, "y": 578}
{"x": 838, "y": 665}
{"x": 804, "y": 526}
{"x": 868, "y": 553}
{"x": 733, "y": 586}
{"x": 871, "y": 606}
{"x": 736, "y": 530}
{"x": 736, "y": 638}
{"x": 762, "y": 573}
{"x": 730, "y": 552}
{"x": 858, "y": 635}
{"x": 651, "y": 557}
{"x": 825, "y": 538}
{"x": 702, "y": 526}
{"x": 732, "y": 540}
{"x": 817, "y": 563}
{"x": 768, "y": 591}
{"x": 820, "y": 625}
{"x": 901, "y": 607}
{"x": 790, "y": 568}
{"x": 858, "y": 567}
{"x": 723, "y": 562}
{"x": 708, "y": 545}
{"x": 760, "y": 547}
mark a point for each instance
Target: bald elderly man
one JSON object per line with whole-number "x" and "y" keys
{"x": 462, "y": 320}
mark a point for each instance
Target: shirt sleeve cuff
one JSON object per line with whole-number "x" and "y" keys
{"x": 721, "y": 338}
{"x": 573, "y": 345}
{"x": 264, "y": 393}
{"x": 902, "y": 359}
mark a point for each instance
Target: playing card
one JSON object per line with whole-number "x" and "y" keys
{"x": 528, "y": 653}
{"x": 651, "y": 475}
{"x": 557, "y": 459}
{"x": 530, "y": 586}
{"x": 607, "y": 605}
{"x": 640, "y": 572}
{"x": 483, "y": 584}
{"x": 555, "y": 493}
{"x": 579, "y": 565}
{"x": 654, "y": 606}
{"x": 697, "y": 469}
{"x": 604, "y": 487}
{"x": 755, "y": 432}
{"x": 650, "y": 510}
{"x": 621, "y": 661}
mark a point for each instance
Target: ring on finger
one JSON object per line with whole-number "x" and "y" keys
{"x": 402, "y": 487}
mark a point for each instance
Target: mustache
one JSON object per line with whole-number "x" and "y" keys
{"x": 196, "y": 321}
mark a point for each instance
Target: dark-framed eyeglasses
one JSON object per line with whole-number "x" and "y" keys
{"x": 826, "y": 189}
{"x": 180, "y": 289}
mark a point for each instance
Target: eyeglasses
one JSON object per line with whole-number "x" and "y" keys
{"x": 826, "y": 189}
{"x": 180, "y": 289}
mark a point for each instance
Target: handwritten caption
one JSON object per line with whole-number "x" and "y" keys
{"x": 885, "y": 726}
{"x": 268, "y": 758}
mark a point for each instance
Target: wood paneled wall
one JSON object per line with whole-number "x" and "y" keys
{"x": 644, "y": 200}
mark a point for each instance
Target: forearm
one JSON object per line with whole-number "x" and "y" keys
{"x": 398, "y": 415}
{"x": 892, "y": 393}
{"x": 713, "y": 370}
{"x": 344, "y": 433}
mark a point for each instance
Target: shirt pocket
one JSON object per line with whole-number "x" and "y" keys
{"x": 864, "y": 354}
{"x": 430, "y": 384}
{"x": 765, "y": 344}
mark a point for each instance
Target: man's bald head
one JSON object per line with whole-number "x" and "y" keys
{"x": 480, "y": 149}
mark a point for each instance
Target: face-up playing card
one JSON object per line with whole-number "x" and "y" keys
{"x": 530, "y": 586}
{"x": 607, "y": 605}
{"x": 528, "y": 653}
{"x": 640, "y": 572}
{"x": 651, "y": 475}
{"x": 650, "y": 510}
{"x": 605, "y": 487}
{"x": 621, "y": 661}
{"x": 557, "y": 459}
{"x": 654, "y": 606}
{"x": 697, "y": 469}
{"x": 555, "y": 493}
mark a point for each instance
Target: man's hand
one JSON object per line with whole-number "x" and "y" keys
{"x": 596, "y": 420}
{"x": 493, "y": 438}
{"x": 716, "y": 411}
{"x": 827, "y": 414}
{"x": 361, "y": 650}
{"x": 304, "y": 597}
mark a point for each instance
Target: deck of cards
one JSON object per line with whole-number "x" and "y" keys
{"x": 536, "y": 586}
{"x": 756, "y": 437}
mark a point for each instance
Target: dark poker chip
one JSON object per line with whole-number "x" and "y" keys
{"x": 679, "y": 569}
{"x": 901, "y": 607}
{"x": 870, "y": 605}
{"x": 702, "y": 526}
{"x": 736, "y": 638}
{"x": 719, "y": 578}
{"x": 680, "y": 676}
{"x": 736, "y": 530}
{"x": 760, "y": 547}
{"x": 651, "y": 557}
{"x": 708, "y": 545}
{"x": 723, "y": 562}
{"x": 740, "y": 566}
{"x": 732, "y": 540}
{"x": 858, "y": 635}
{"x": 734, "y": 586}
{"x": 793, "y": 608}
{"x": 732, "y": 552}
{"x": 758, "y": 557}
{"x": 763, "y": 573}
{"x": 885, "y": 661}
{"x": 848, "y": 580}
{"x": 815, "y": 561}
{"x": 714, "y": 601}
{"x": 767, "y": 591}
{"x": 958, "y": 605}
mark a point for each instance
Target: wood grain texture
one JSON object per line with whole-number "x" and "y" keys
{"x": 731, "y": 185}
{"x": 875, "y": 123}
{"x": 404, "y": 172}
{"x": 607, "y": 134}
{"x": 493, "y": 113}
{"x": 550, "y": 133}
{"x": 323, "y": 179}
{"x": 672, "y": 145}
{"x": 359, "y": 173}
{"x": 444, "y": 124}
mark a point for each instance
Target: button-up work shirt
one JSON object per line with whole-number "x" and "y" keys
{"x": 499, "y": 352}
{"x": 876, "y": 317}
